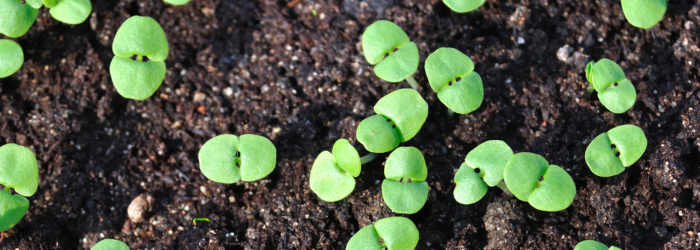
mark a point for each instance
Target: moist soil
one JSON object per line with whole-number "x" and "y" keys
{"x": 293, "y": 71}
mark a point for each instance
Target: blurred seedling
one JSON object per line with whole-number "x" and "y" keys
{"x": 194, "y": 221}
{"x": 615, "y": 91}
{"x": 16, "y": 18}
{"x": 110, "y": 244}
{"x": 19, "y": 171}
{"x": 531, "y": 179}
{"x": 140, "y": 48}
{"x": 177, "y": 2}
{"x": 332, "y": 176}
{"x": 482, "y": 168}
{"x": 644, "y": 13}
{"x": 399, "y": 117}
{"x": 393, "y": 233}
{"x": 11, "y": 57}
{"x": 451, "y": 74}
{"x": 228, "y": 159}
{"x": 404, "y": 190}
{"x": 388, "y": 47}
{"x": 593, "y": 245}
{"x": 610, "y": 153}
{"x": 65, "y": 11}
{"x": 463, "y": 6}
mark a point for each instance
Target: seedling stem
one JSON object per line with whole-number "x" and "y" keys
{"x": 412, "y": 82}
{"x": 367, "y": 158}
{"x": 450, "y": 113}
{"x": 503, "y": 186}
{"x": 199, "y": 219}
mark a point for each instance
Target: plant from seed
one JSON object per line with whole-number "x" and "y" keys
{"x": 593, "y": 245}
{"x": 615, "y": 92}
{"x": 643, "y": 13}
{"x": 482, "y": 168}
{"x": 227, "y": 158}
{"x": 19, "y": 170}
{"x": 138, "y": 66}
{"x": 11, "y": 57}
{"x": 393, "y": 233}
{"x": 65, "y": 11}
{"x": 531, "y": 179}
{"x": 395, "y": 57}
{"x": 194, "y": 221}
{"x": 16, "y": 18}
{"x": 399, "y": 117}
{"x": 463, "y": 6}
{"x": 332, "y": 176}
{"x": 610, "y": 153}
{"x": 404, "y": 190}
{"x": 451, "y": 74}
{"x": 110, "y": 244}
{"x": 177, "y": 2}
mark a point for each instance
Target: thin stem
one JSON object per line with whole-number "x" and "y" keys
{"x": 503, "y": 186}
{"x": 367, "y": 158}
{"x": 412, "y": 82}
{"x": 589, "y": 90}
{"x": 450, "y": 113}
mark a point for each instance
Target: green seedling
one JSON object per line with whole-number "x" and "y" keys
{"x": 451, "y": 74}
{"x": 227, "y": 158}
{"x": 404, "y": 190}
{"x": 177, "y": 2}
{"x": 531, "y": 179}
{"x": 610, "y": 153}
{"x": 593, "y": 245}
{"x": 399, "y": 117}
{"x": 393, "y": 233}
{"x": 463, "y": 6}
{"x": 11, "y": 57}
{"x": 483, "y": 167}
{"x": 143, "y": 39}
{"x": 110, "y": 244}
{"x": 16, "y": 18}
{"x": 615, "y": 91}
{"x": 388, "y": 47}
{"x": 19, "y": 170}
{"x": 66, "y": 11}
{"x": 644, "y": 13}
{"x": 194, "y": 221}
{"x": 333, "y": 175}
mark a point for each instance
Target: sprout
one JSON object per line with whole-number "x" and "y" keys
{"x": 463, "y": 6}
{"x": 16, "y": 18}
{"x": 404, "y": 190}
{"x": 393, "y": 233}
{"x": 67, "y": 11}
{"x": 110, "y": 244}
{"x": 332, "y": 175}
{"x": 385, "y": 44}
{"x": 400, "y": 115}
{"x": 11, "y": 57}
{"x": 546, "y": 187}
{"x": 593, "y": 245}
{"x": 227, "y": 158}
{"x": 451, "y": 74}
{"x": 489, "y": 159}
{"x": 610, "y": 153}
{"x": 19, "y": 170}
{"x": 615, "y": 92}
{"x": 177, "y": 2}
{"x": 644, "y": 13}
{"x": 143, "y": 39}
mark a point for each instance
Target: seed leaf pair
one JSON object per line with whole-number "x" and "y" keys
{"x": 644, "y": 13}
{"x": 11, "y": 57}
{"x": 19, "y": 170}
{"x": 381, "y": 39}
{"x": 593, "y": 245}
{"x": 490, "y": 159}
{"x": 615, "y": 92}
{"x": 110, "y": 244}
{"x": 554, "y": 192}
{"x": 332, "y": 176}
{"x": 177, "y": 2}
{"x": 16, "y": 18}
{"x": 451, "y": 74}
{"x": 393, "y": 233}
{"x": 227, "y": 158}
{"x": 610, "y": 153}
{"x": 464, "y": 6}
{"x": 404, "y": 190}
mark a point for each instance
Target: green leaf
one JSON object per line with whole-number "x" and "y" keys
{"x": 380, "y": 38}
{"x": 71, "y": 11}
{"x": 465, "y": 96}
{"x": 377, "y": 135}
{"x": 589, "y": 71}
{"x": 628, "y": 140}
{"x": 590, "y": 245}
{"x": 469, "y": 188}
{"x": 12, "y": 209}
{"x": 404, "y": 190}
{"x": 399, "y": 65}
{"x": 643, "y": 13}
{"x": 397, "y": 233}
{"x": 11, "y": 57}
{"x": 177, "y": 2}
{"x": 258, "y": 157}
{"x": 19, "y": 169}
{"x": 619, "y": 97}
{"x": 406, "y": 163}
{"x": 522, "y": 173}
{"x": 445, "y": 65}
{"x": 141, "y": 36}
{"x": 464, "y": 6}
{"x": 601, "y": 158}
{"x": 49, "y": 3}
{"x": 16, "y": 18}
{"x": 35, "y": 3}
{"x": 406, "y": 108}
{"x": 217, "y": 159}
{"x": 135, "y": 79}
{"x": 346, "y": 157}
{"x": 556, "y": 191}
{"x": 604, "y": 73}
{"x": 365, "y": 239}
{"x": 491, "y": 158}
{"x": 328, "y": 181}
{"x": 110, "y": 244}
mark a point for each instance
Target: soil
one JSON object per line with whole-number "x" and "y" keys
{"x": 293, "y": 71}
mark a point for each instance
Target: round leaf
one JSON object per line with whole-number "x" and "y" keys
{"x": 522, "y": 173}
{"x": 217, "y": 159}
{"x": 491, "y": 158}
{"x": 601, "y": 158}
{"x": 110, "y": 244}
{"x": 365, "y": 239}
{"x": 604, "y": 73}
{"x": 399, "y": 65}
{"x": 445, "y": 65}
{"x": 469, "y": 188}
{"x": 556, "y": 191}
{"x": 19, "y": 169}
{"x": 177, "y": 2}
{"x": 464, "y": 96}
{"x": 377, "y": 135}
{"x": 464, "y": 6}
{"x": 141, "y": 36}
{"x": 328, "y": 181}
{"x": 630, "y": 141}
{"x": 406, "y": 108}
{"x": 590, "y": 245}
{"x": 71, "y": 11}
{"x": 643, "y": 13}
{"x": 35, "y": 3}
{"x": 380, "y": 38}
{"x": 16, "y": 18}
{"x": 397, "y": 233}
{"x": 136, "y": 80}
{"x": 12, "y": 209}
{"x": 404, "y": 197}
{"x": 258, "y": 157}
{"x": 618, "y": 99}
{"x": 347, "y": 158}
{"x": 11, "y": 57}
{"x": 49, "y": 3}
{"x": 406, "y": 163}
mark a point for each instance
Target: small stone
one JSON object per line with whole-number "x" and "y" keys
{"x": 199, "y": 96}
{"x": 139, "y": 207}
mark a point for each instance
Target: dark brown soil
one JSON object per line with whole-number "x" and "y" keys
{"x": 274, "y": 68}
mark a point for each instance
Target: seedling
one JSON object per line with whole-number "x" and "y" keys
{"x": 332, "y": 175}
{"x": 483, "y": 167}
{"x": 615, "y": 92}
{"x": 16, "y": 18}
{"x": 66, "y": 11}
{"x": 11, "y": 57}
{"x": 19, "y": 170}
{"x": 463, "y": 6}
{"x": 194, "y": 221}
{"x": 177, "y": 2}
{"x": 227, "y": 158}
{"x": 531, "y": 179}
{"x": 593, "y": 245}
{"x": 404, "y": 190}
{"x": 610, "y": 153}
{"x": 644, "y": 13}
{"x": 388, "y": 47}
{"x": 140, "y": 49}
{"x": 110, "y": 244}
{"x": 400, "y": 115}
{"x": 393, "y": 233}
{"x": 451, "y": 74}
